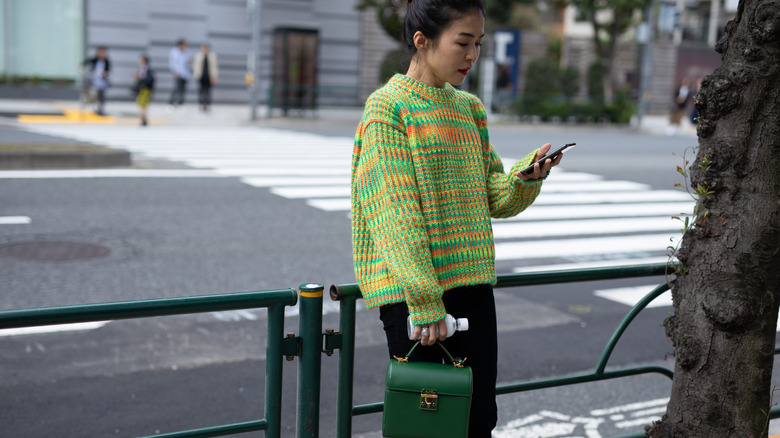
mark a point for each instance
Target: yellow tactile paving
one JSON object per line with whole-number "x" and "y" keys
{"x": 69, "y": 116}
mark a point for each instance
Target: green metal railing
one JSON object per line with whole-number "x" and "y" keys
{"x": 348, "y": 295}
{"x": 312, "y": 342}
{"x": 276, "y": 346}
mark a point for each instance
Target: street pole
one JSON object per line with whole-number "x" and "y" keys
{"x": 9, "y": 42}
{"x": 253, "y": 61}
{"x": 646, "y": 63}
{"x": 712, "y": 32}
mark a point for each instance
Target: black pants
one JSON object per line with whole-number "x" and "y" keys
{"x": 204, "y": 94}
{"x": 101, "y": 100}
{"x": 179, "y": 90}
{"x": 479, "y": 345}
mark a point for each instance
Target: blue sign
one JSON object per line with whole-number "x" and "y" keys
{"x": 507, "y": 58}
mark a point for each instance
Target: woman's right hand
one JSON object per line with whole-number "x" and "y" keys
{"x": 541, "y": 170}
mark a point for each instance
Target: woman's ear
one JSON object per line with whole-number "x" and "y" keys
{"x": 420, "y": 41}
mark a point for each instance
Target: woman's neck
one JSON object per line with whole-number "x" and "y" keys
{"x": 418, "y": 72}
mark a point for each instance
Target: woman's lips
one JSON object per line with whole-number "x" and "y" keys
{"x": 464, "y": 71}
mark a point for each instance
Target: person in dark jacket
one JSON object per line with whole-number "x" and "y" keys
{"x": 99, "y": 68}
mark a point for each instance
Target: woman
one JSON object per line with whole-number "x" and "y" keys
{"x": 144, "y": 86}
{"x": 425, "y": 184}
{"x": 205, "y": 71}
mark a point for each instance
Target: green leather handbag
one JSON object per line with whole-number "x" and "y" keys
{"x": 425, "y": 399}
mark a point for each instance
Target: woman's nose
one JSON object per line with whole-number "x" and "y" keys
{"x": 473, "y": 54}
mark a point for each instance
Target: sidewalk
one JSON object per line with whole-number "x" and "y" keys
{"x": 126, "y": 113}
{"x": 22, "y": 149}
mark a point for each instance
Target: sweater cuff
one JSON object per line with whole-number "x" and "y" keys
{"x": 427, "y": 312}
{"x": 522, "y": 164}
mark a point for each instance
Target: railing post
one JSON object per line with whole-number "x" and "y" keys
{"x": 309, "y": 367}
{"x": 273, "y": 371}
{"x": 346, "y": 368}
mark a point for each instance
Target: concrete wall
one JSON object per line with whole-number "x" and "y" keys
{"x": 132, "y": 28}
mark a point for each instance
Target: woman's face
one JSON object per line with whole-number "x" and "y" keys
{"x": 453, "y": 54}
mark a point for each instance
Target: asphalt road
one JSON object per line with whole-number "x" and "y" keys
{"x": 178, "y": 236}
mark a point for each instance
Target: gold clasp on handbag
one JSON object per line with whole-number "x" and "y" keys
{"x": 429, "y": 400}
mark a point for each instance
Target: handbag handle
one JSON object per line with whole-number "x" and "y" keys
{"x": 456, "y": 362}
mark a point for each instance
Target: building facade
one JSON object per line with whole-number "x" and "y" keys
{"x": 50, "y": 38}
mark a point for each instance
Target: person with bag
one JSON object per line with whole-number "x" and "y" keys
{"x": 144, "y": 86}
{"x": 425, "y": 182}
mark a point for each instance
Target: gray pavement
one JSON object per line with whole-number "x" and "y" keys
{"x": 335, "y": 119}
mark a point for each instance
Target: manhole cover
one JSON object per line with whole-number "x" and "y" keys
{"x": 53, "y": 251}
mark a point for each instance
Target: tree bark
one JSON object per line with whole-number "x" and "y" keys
{"x": 727, "y": 292}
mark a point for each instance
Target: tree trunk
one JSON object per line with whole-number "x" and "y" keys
{"x": 727, "y": 292}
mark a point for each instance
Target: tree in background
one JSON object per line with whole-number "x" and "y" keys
{"x": 610, "y": 19}
{"x": 389, "y": 15}
{"x": 522, "y": 14}
{"x": 727, "y": 291}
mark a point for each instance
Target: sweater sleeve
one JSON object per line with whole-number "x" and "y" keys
{"x": 508, "y": 195}
{"x": 390, "y": 199}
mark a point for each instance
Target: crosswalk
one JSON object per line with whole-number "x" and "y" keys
{"x": 579, "y": 219}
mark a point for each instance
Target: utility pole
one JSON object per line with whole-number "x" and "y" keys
{"x": 253, "y": 59}
{"x": 646, "y": 36}
{"x": 712, "y": 32}
{"x": 9, "y": 40}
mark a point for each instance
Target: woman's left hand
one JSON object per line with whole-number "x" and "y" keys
{"x": 431, "y": 330}
{"x": 541, "y": 170}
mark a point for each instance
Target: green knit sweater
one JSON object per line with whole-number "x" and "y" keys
{"x": 425, "y": 183}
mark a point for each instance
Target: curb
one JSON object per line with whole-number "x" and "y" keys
{"x": 64, "y": 159}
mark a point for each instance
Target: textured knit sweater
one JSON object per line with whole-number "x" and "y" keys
{"x": 425, "y": 184}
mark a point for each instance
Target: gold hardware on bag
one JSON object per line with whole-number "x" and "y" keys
{"x": 402, "y": 359}
{"x": 429, "y": 400}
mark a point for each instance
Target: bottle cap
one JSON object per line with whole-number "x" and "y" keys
{"x": 463, "y": 324}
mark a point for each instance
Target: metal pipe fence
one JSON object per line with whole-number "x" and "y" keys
{"x": 311, "y": 342}
{"x": 350, "y": 293}
{"x": 276, "y": 345}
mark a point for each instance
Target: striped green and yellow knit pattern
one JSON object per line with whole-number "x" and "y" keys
{"x": 425, "y": 184}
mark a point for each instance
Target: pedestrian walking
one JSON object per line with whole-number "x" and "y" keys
{"x": 205, "y": 71}
{"x": 98, "y": 70}
{"x": 179, "y": 63}
{"x": 425, "y": 183}
{"x": 682, "y": 96}
{"x": 144, "y": 86}
{"x": 695, "y": 111}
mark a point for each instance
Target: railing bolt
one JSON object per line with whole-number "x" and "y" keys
{"x": 329, "y": 331}
{"x": 290, "y": 357}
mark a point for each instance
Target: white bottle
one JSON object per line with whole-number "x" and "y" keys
{"x": 453, "y": 325}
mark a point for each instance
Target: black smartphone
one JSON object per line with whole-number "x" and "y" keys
{"x": 553, "y": 155}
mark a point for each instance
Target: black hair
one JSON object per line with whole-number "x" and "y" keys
{"x": 146, "y": 59}
{"x": 432, "y": 17}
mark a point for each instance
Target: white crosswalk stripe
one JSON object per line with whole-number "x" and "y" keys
{"x": 579, "y": 219}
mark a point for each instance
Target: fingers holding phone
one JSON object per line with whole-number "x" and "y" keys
{"x": 543, "y": 162}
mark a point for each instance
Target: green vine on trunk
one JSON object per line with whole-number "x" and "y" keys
{"x": 701, "y": 193}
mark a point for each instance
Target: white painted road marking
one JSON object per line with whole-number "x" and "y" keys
{"x": 57, "y": 328}
{"x": 631, "y": 295}
{"x": 549, "y": 424}
{"x": 579, "y": 218}
{"x": 15, "y": 220}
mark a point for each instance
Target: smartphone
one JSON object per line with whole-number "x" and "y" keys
{"x": 553, "y": 155}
